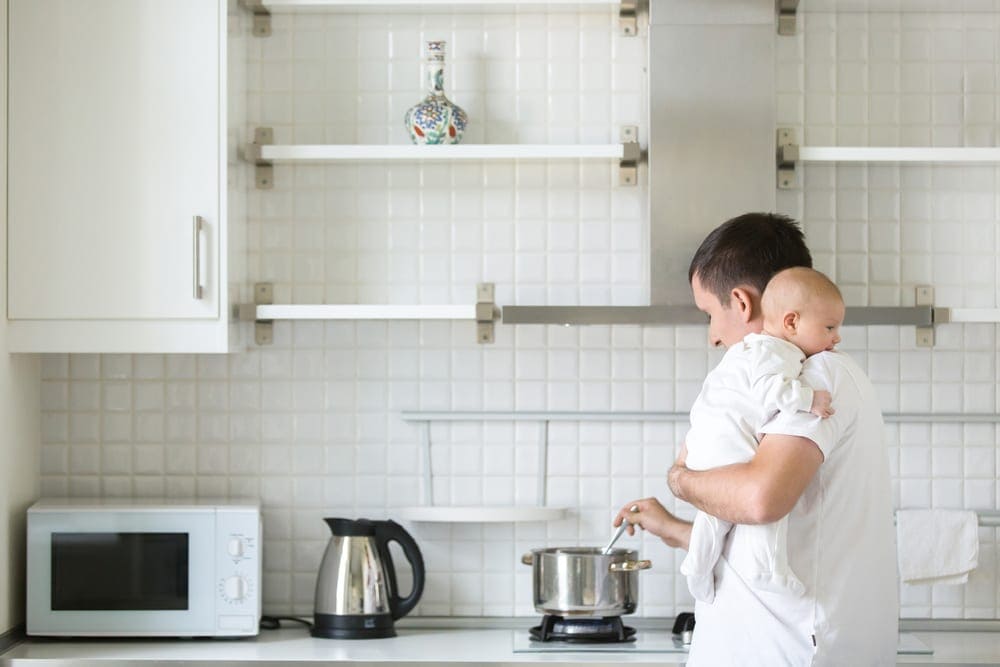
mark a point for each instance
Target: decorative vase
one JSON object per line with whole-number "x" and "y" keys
{"x": 435, "y": 120}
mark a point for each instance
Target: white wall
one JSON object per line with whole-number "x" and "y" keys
{"x": 311, "y": 424}
{"x": 19, "y": 432}
{"x": 19, "y": 485}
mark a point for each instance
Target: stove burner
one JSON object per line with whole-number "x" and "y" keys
{"x": 608, "y": 629}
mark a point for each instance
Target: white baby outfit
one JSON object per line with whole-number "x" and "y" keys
{"x": 756, "y": 378}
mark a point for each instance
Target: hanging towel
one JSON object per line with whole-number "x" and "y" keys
{"x": 937, "y": 546}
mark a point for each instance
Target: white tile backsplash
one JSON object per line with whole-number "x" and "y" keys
{"x": 311, "y": 424}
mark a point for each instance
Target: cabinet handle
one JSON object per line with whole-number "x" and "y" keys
{"x": 197, "y": 227}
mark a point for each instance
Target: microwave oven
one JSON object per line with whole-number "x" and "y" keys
{"x": 114, "y": 568}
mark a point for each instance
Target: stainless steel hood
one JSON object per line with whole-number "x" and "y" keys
{"x": 711, "y": 149}
{"x": 711, "y": 154}
{"x": 711, "y": 127}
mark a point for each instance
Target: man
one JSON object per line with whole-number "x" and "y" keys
{"x": 829, "y": 476}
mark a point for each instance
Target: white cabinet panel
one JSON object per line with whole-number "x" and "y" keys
{"x": 115, "y": 144}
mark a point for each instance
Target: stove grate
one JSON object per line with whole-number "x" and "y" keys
{"x": 603, "y": 630}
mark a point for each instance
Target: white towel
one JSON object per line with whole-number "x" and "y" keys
{"x": 937, "y": 546}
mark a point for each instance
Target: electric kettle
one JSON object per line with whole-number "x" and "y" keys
{"x": 356, "y": 592}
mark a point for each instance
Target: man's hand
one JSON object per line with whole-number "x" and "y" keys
{"x": 653, "y": 517}
{"x": 821, "y": 404}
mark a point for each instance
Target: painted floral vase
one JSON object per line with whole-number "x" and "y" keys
{"x": 436, "y": 119}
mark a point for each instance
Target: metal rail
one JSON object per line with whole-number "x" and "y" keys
{"x": 626, "y": 416}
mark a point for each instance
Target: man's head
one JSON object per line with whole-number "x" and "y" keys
{"x": 733, "y": 265}
{"x": 805, "y": 308}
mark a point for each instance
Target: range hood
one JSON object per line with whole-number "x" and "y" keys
{"x": 710, "y": 154}
{"x": 710, "y": 157}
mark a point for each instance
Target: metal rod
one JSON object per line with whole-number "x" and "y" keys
{"x": 941, "y": 418}
{"x": 425, "y": 456}
{"x": 921, "y": 316}
{"x": 602, "y": 315}
{"x": 679, "y": 315}
{"x": 542, "y": 415}
{"x": 543, "y": 462}
{"x": 988, "y": 518}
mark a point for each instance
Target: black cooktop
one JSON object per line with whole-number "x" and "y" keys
{"x": 608, "y": 629}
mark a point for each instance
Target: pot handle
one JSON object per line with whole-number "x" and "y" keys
{"x": 528, "y": 558}
{"x": 630, "y": 566}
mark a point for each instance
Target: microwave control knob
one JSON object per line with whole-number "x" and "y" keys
{"x": 235, "y": 588}
{"x": 235, "y": 547}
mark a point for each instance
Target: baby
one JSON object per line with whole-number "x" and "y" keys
{"x": 803, "y": 311}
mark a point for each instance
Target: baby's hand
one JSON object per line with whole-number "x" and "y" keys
{"x": 821, "y": 403}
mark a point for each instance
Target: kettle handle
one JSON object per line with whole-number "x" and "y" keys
{"x": 390, "y": 531}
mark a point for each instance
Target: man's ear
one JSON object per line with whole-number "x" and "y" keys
{"x": 790, "y": 322}
{"x": 741, "y": 299}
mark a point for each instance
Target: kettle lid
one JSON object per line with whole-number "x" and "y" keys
{"x": 350, "y": 527}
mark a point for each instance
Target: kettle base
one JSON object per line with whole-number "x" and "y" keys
{"x": 362, "y": 626}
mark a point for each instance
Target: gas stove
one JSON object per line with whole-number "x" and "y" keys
{"x": 556, "y": 634}
{"x": 608, "y": 629}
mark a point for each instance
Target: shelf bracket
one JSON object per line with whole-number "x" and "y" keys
{"x": 261, "y": 17}
{"x": 787, "y": 154}
{"x": 628, "y": 17}
{"x": 263, "y": 330}
{"x": 787, "y": 20}
{"x": 264, "y": 171}
{"x": 925, "y": 297}
{"x": 628, "y": 168}
{"x": 486, "y": 313}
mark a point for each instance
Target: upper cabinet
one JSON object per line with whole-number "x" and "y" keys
{"x": 118, "y": 237}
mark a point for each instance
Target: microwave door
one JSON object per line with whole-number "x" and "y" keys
{"x": 121, "y": 574}
{"x": 120, "y": 571}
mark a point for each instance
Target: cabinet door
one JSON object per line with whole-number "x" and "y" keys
{"x": 114, "y": 112}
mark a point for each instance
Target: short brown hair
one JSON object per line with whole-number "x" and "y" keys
{"x": 748, "y": 250}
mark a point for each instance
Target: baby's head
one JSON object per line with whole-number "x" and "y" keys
{"x": 805, "y": 308}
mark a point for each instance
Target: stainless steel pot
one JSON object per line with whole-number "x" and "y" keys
{"x": 582, "y": 582}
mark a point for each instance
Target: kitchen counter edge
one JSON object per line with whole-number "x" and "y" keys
{"x": 416, "y": 647}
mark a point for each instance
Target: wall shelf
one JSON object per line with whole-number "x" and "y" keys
{"x": 428, "y": 511}
{"x": 789, "y": 153}
{"x": 628, "y": 10}
{"x": 366, "y": 312}
{"x": 381, "y": 152}
{"x": 264, "y": 153}
{"x": 424, "y": 6}
{"x": 263, "y": 311}
{"x": 482, "y": 514}
{"x": 967, "y": 315}
{"x": 897, "y": 154}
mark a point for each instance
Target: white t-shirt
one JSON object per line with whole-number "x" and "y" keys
{"x": 841, "y": 544}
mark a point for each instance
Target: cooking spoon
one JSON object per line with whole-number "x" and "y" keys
{"x": 618, "y": 533}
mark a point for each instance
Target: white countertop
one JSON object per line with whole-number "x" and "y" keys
{"x": 415, "y": 646}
